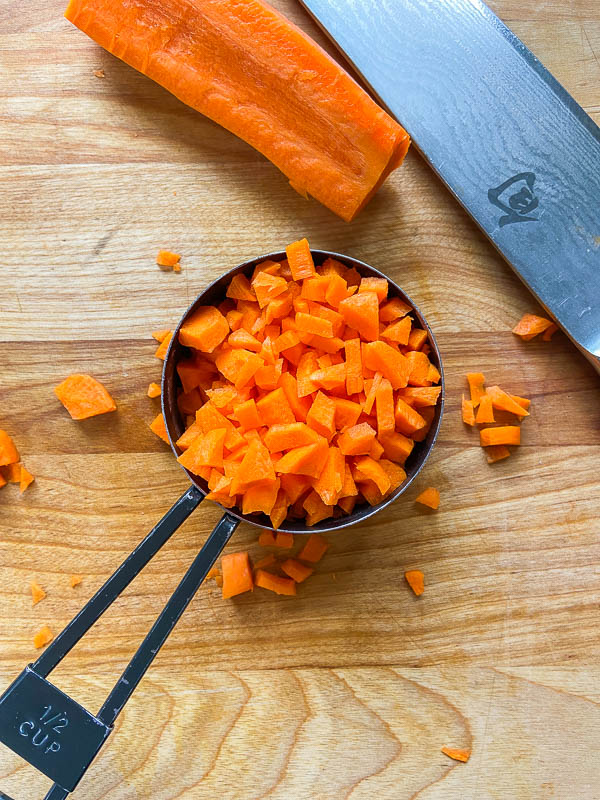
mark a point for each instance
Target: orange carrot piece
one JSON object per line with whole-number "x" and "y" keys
{"x": 267, "y": 287}
{"x": 300, "y": 260}
{"x": 286, "y": 340}
{"x": 321, "y": 416}
{"x": 3, "y": 480}
{"x": 237, "y": 574}
{"x": 381, "y": 357}
{"x": 37, "y": 593}
{"x": 347, "y": 504}
{"x": 260, "y": 497}
{"x": 285, "y": 437}
{"x": 204, "y": 330}
{"x": 8, "y": 452}
{"x": 456, "y": 754}
{"x": 315, "y": 288}
{"x": 407, "y": 419}
{"x": 244, "y": 340}
{"x": 330, "y": 482}
{"x": 332, "y": 378}
{"x": 476, "y": 381}
{"x": 153, "y": 390}
{"x": 158, "y": 427}
{"x": 316, "y": 510}
{"x": 25, "y": 480}
{"x": 371, "y": 388}
{"x": 12, "y": 472}
{"x": 530, "y": 325}
{"x": 354, "y": 372}
{"x": 274, "y": 408}
{"x": 505, "y": 402}
{"x": 210, "y": 418}
{"x": 166, "y": 258}
{"x": 417, "y": 339}
{"x": 496, "y": 452}
{"x": 395, "y": 473}
{"x": 416, "y": 581}
{"x": 468, "y": 412}
{"x": 376, "y": 450}
{"x": 336, "y": 290}
{"x": 247, "y": 415}
{"x": 549, "y": 332}
{"x": 274, "y": 583}
{"x": 421, "y": 396}
{"x": 384, "y": 404}
{"x": 75, "y": 580}
{"x": 429, "y": 497}
{"x": 524, "y": 402}
{"x": 205, "y": 451}
{"x": 314, "y": 325}
{"x": 239, "y": 289}
{"x": 160, "y": 336}
{"x": 398, "y": 331}
{"x": 348, "y": 485}
{"x": 84, "y": 396}
{"x": 485, "y": 412}
{"x": 394, "y": 309}
{"x": 279, "y": 510}
{"x": 371, "y": 470}
{"x": 43, "y": 637}
{"x": 373, "y": 284}
{"x": 299, "y": 405}
{"x": 357, "y": 440}
{"x": 314, "y": 549}
{"x": 361, "y": 311}
{"x": 295, "y": 486}
{"x": 419, "y": 366}
{"x": 308, "y": 460}
{"x": 397, "y": 447}
{"x": 433, "y": 374}
{"x": 507, "y": 434}
{"x": 256, "y": 466}
{"x": 295, "y": 570}
{"x": 238, "y": 366}
{"x": 161, "y": 350}
{"x": 307, "y": 366}
{"x": 346, "y": 413}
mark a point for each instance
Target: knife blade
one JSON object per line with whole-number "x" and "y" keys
{"x": 514, "y": 148}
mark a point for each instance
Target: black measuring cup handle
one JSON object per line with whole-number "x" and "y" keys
{"x": 32, "y": 703}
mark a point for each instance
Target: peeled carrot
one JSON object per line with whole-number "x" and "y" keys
{"x": 43, "y": 637}
{"x": 416, "y": 581}
{"x": 275, "y": 583}
{"x": 496, "y": 452}
{"x": 507, "y": 434}
{"x": 485, "y": 412}
{"x": 84, "y": 396}
{"x": 153, "y": 390}
{"x": 37, "y": 593}
{"x": 160, "y": 336}
{"x": 25, "y": 479}
{"x": 233, "y": 62}
{"x": 468, "y": 414}
{"x": 8, "y": 452}
{"x": 430, "y": 497}
{"x": 530, "y": 325}
{"x": 157, "y": 426}
{"x": 456, "y": 754}
{"x": 505, "y": 402}
{"x": 476, "y": 381}
{"x": 549, "y": 332}
{"x": 167, "y": 259}
{"x": 314, "y": 549}
{"x": 237, "y": 574}
{"x": 295, "y": 570}
{"x": 75, "y": 580}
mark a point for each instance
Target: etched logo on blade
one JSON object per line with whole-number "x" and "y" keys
{"x": 516, "y": 198}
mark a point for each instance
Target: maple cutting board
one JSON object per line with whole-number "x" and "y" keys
{"x": 352, "y": 688}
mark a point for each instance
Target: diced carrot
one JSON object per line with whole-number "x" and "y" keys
{"x": 157, "y": 426}
{"x": 421, "y": 396}
{"x": 260, "y": 497}
{"x": 286, "y": 340}
{"x": 300, "y": 260}
{"x": 188, "y": 436}
{"x": 75, "y": 580}
{"x": 357, "y": 440}
{"x": 307, "y": 366}
{"x": 274, "y": 408}
{"x": 308, "y": 460}
{"x": 295, "y": 486}
{"x": 247, "y": 415}
{"x": 332, "y": 378}
{"x": 347, "y": 504}
{"x": 238, "y": 366}
{"x": 371, "y": 470}
{"x": 384, "y": 404}
{"x": 237, "y": 574}
{"x": 361, "y": 311}
{"x": 205, "y": 451}
{"x": 354, "y": 371}
{"x": 376, "y": 450}
{"x": 429, "y": 497}
{"x": 297, "y": 571}
{"x": 505, "y": 402}
{"x": 160, "y": 336}
{"x": 336, "y": 290}
{"x": 476, "y": 381}
{"x": 371, "y": 388}
{"x": 398, "y": 331}
{"x": 408, "y": 421}
{"x": 416, "y": 581}
{"x": 314, "y": 549}
{"x": 377, "y": 285}
{"x": 428, "y": 415}
{"x": 381, "y": 357}
{"x": 419, "y": 365}
{"x": 242, "y": 339}
{"x": 321, "y": 416}
{"x": 204, "y": 330}
{"x": 507, "y": 434}
{"x": 524, "y": 402}
{"x": 153, "y": 390}
{"x": 285, "y": 437}
{"x": 549, "y": 332}
{"x": 530, "y": 325}
{"x": 83, "y": 397}
{"x": 43, "y": 637}
{"x": 395, "y": 473}
{"x": 468, "y": 412}
{"x": 331, "y": 345}
{"x": 167, "y": 259}
{"x": 299, "y": 405}
{"x": 274, "y": 583}
{"x": 37, "y": 593}
{"x": 12, "y": 472}
{"x": 417, "y": 339}
{"x": 496, "y": 452}
{"x": 267, "y": 287}
{"x": 394, "y": 309}
{"x": 279, "y": 510}
{"x": 26, "y": 479}
{"x": 456, "y": 754}
{"x": 316, "y": 510}
{"x": 433, "y": 374}
{"x": 256, "y": 466}
{"x": 347, "y": 413}
{"x": 370, "y": 492}
{"x": 314, "y": 325}
{"x": 267, "y": 377}
{"x": 209, "y": 418}
{"x": 315, "y": 288}
{"x": 8, "y": 452}
{"x": 485, "y": 412}
{"x": 239, "y": 289}
{"x": 330, "y": 482}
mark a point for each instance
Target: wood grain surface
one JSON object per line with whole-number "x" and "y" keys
{"x": 352, "y": 688}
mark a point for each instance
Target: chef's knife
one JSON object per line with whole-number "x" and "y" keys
{"x": 506, "y": 138}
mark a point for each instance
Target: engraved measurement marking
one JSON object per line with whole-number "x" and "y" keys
{"x": 37, "y": 732}
{"x": 516, "y": 198}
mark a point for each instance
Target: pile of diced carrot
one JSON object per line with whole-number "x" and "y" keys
{"x": 304, "y": 391}
{"x": 480, "y": 408}
{"x": 11, "y": 468}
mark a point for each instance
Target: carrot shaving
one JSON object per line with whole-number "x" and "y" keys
{"x": 416, "y": 581}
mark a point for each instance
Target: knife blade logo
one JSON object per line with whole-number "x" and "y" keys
{"x": 516, "y": 198}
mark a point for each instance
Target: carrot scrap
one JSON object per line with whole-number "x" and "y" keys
{"x": 485, "y": 412}
{"x": 468, "y": 414}
{"x": 37, "y": 593}
{"x": 153, "y": 390}
{"x": 43, "y": 637}
{"x": 8, "y": 452}
{"x": 84, "y": 396}
{"x": 295, "y": 570}
{"x": 157, "y": 426}
{"x": 429, "y": 497}
{"x": 505, "y": 402}
{"x": 416, "y": 581}
{"x": 456, "y": 754}
{"x": 314, "y": 549}
{"x": 237, "y": 574}
{"x": 160, "y": 336}
{"x": 161, "y": 350}
{"x": 476, "y": 381}
{"x": 12, "y": 472}
{"x": 496, "y": 452}
{"x": 530, "y": 326}
{"x": 167, "y": 260}
{"x": 274, "y": 583}
{"x": 75, "y": 580}
{"x": 507, "y": 434}
{"x": 25, "y": 479}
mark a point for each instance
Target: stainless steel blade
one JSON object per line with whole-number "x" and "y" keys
{"x": 506, "y": 138}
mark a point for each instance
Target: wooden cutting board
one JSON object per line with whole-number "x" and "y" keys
{"x": 352, "y": 688}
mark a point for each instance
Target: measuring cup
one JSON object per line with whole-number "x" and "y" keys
{"x": 48, "y": 728}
